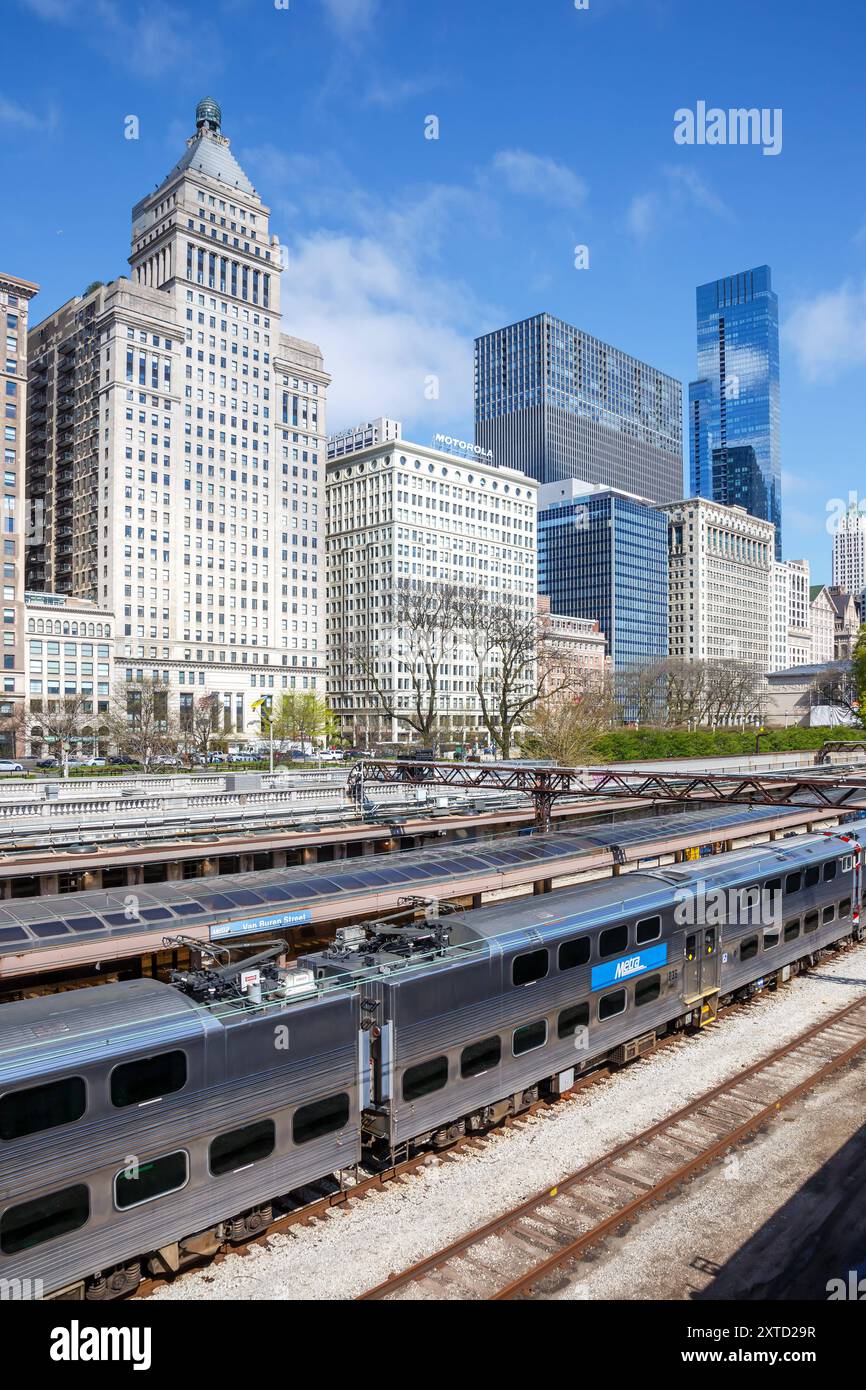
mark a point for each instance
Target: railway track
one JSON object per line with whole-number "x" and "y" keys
{"x": 516, "y": 1252}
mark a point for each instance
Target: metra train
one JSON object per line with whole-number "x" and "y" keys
{"x": 144, "y": 1125}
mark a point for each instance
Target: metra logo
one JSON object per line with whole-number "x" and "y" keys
{"x": 627, "y": 967}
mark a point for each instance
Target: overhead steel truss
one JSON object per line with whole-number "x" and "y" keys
{"x": 827, "y": 789}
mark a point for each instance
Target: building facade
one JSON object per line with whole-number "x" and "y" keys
{"x": 846, "y": 623}
{"x": 577, "y": 647}
{"x": 401, "y": 514}
{"x": 849, "y": 551}
{"x": 791, "y": 631}
{"x": 556, "y": 403}
{"x": 69, "y": 654}
{"x": 822, "y": 620}
{"x": 602, "y": 555}
{"x": 362, "y": 436}
{"x": 177, "y": 447}
{"x": 721, "y": 583}
{"x": 733, "y": 422}
{"x": 15, "y": 297}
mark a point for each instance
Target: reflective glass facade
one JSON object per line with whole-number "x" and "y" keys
{"x": 556, "y": 403}
{"x": 605, "y": 556}
{"x": 734, "y": 403}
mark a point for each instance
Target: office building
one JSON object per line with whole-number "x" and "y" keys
{"x": 362, "y": 436}
{"x": 603, "y": 555}
{"x": 733, "y": 422}
{"x": 822, "y": 621}
{"x": 849, "y": 551}
{"x": 177, "y": 452}
{"x": 790, "y": 631}
{"x": 557, "y": 403}
{"x": 69, "y": 655}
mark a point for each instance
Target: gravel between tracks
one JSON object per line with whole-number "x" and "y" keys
{"x": 353, "y": 1248}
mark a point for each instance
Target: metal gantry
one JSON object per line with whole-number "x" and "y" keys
{"x": 838, "y": 788}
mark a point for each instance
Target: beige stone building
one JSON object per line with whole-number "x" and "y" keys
{"x": 178, "y": 446}
{"x": 577, "y": 646}
{"x": 15, "y": 296}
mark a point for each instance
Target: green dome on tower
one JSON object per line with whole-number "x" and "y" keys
{"x": 208, "y": 114}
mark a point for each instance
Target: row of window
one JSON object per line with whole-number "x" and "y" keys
{"x": 792, "y": 929}
{"x": 614, "y": 941}
{"x": 55, "y": 1103}
{"x": 429, "y": 1076}
{"x": 57, "y": 1213}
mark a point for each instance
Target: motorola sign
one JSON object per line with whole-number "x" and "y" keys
{"x": 462, "y": 446}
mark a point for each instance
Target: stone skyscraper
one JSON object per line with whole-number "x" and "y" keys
{"x": 177, "y": 454}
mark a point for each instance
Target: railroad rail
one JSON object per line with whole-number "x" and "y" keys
{"x": 839, "y": 789}
{"x": 514, "y": 1253}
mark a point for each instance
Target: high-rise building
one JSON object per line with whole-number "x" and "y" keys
{"x": 557, "y": 404}
{"x": 791, "y": 622}
{"x": 849, "y": 551}
{"x": 733, "y": 424}
{"x": 177, "y": 455}
{"x": 603, "y": 554}
{"x": 823, "y": 624}
{"x": 721, "y": 583}
{"x": 403, "y": 515}
{"x": 362, "y": 436}
{"x": 15, "y": 296}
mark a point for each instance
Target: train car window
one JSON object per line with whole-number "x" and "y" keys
{"x": 149, "y": 1078}
{"x": 792, "y": 883}
{"x": 749, "y": 948}
{"x": 611, "y": 1004}
{"x": 829, "y": 870}
{"x": 42, "y": 1107}
{"x": 846, "y": 863}
{"x": 773, "y": 885}
{"x": 529, "y": 1037}
{"x": 647, "y": 929}
{"x": 571, "y": 1019}
{"x": 810, "y": 922}
{"x": 574, "y": 952}
{"x": 647, "y": 990}
{"x": 845, "y": 907}
{"x": 771, "y": 939}
{"x": 144, "y": 1182}
{"x": 43, "y": 1218}
{"x": 426, "y": 1077}
{"x": 321, "y": 1117}
{"x": 828, "y": 913}
{"x": 238, "y": 1148}
{"x": 792, "y": 930}
{"x": 531, "y": 966}
{"x": 480, "y": 1057}
{"x": 613, "y": 941}
{"x": 812, "y": 876}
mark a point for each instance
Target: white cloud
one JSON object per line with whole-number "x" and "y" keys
{"x": 642, "y": 215}
{"x": 681, "y": 190}
{"x": 350, "y": 18}
{"x": 11, "y": 114}
{"x": 538, "y": 176}
{"x": 149, "y": 38}
{"x": 393, "y": 90}
{"x": 828, "y": 333}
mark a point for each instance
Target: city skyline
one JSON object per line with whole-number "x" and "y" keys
{"x": 410, "y": 247}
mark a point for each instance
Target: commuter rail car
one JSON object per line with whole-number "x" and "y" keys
{"x": 144, "y": 1125}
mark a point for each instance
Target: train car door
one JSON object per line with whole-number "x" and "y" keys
{"x": 701, "y": 962}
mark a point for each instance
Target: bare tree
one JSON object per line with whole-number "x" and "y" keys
{"x": 141, "y": 723}
{"x": 61, "y": 724}
{"x": 565, "y": 726}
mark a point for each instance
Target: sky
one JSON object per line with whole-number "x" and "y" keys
{"x": 555, "y": 129}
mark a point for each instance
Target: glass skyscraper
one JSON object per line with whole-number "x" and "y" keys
{"x": 603, "y": 554}
{"x": 734, "y": 403}
{"x": 555, "y": 403}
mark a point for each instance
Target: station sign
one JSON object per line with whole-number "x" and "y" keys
{"x": 248, "y": 926}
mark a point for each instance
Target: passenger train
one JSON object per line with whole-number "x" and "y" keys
{"x": 145, "y": 1125}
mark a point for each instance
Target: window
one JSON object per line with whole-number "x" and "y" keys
{"x": 528, "y": 968}
{"x": 611, "y": 1004}
{"x": 792, "y": 929}
{"x": 648, "y": 929}
{"x": 829, "y": 870}
{"x": 773, "y": 885}
{"x": 42, "y": 1107}
{"x": 810, "y": 922}
{"x": 812, "y": 876}
{"x": 320, "y": 1117}
{"x": 771, "y": 939}
{"x": 56, "y": 1214}
{"x": 150, "y": 1078}
{"x": 143, "y": 1182}
{"x": 749, "y": 948}
{"x": 479, "y": 1057}
{"x": 647, "y": 989}
{"x": 573, "y": 953}
{"x": 571, "y": 1019}
{"x": 845, "y": 907}
{"x": 425, "y": 1078}
{"x": 792, "y": 883}
{"x": 828, "y": 914}
{"x": 529, "y": 1037}
{"x": 238, "y": 1148}
{"x": 613, "y": 941}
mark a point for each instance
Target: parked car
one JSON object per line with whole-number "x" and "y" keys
{"x": 47, "y": 762}
{"x": 123, "y": 760}
{"x": 9, "y": 765}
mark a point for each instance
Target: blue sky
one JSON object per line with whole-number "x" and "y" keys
{"x": 555, "y": 129}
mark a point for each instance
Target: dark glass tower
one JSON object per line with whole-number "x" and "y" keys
{"x": 734, "y": 403}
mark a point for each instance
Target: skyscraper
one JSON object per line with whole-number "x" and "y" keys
{"x": 555, "y": 403}
{"x": 849, "y": 551}
{"x": 177, "y": 448}
{"x": 734, "y": 402}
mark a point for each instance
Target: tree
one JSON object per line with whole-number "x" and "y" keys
{"x": 567, "y": 726}
{"x": 141, "y": 723}
{"x": 200, "y": 725}
{"x": 855, "y": 686}
{"x": 60, "y": 724}
{"x": 302, "y": 716}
